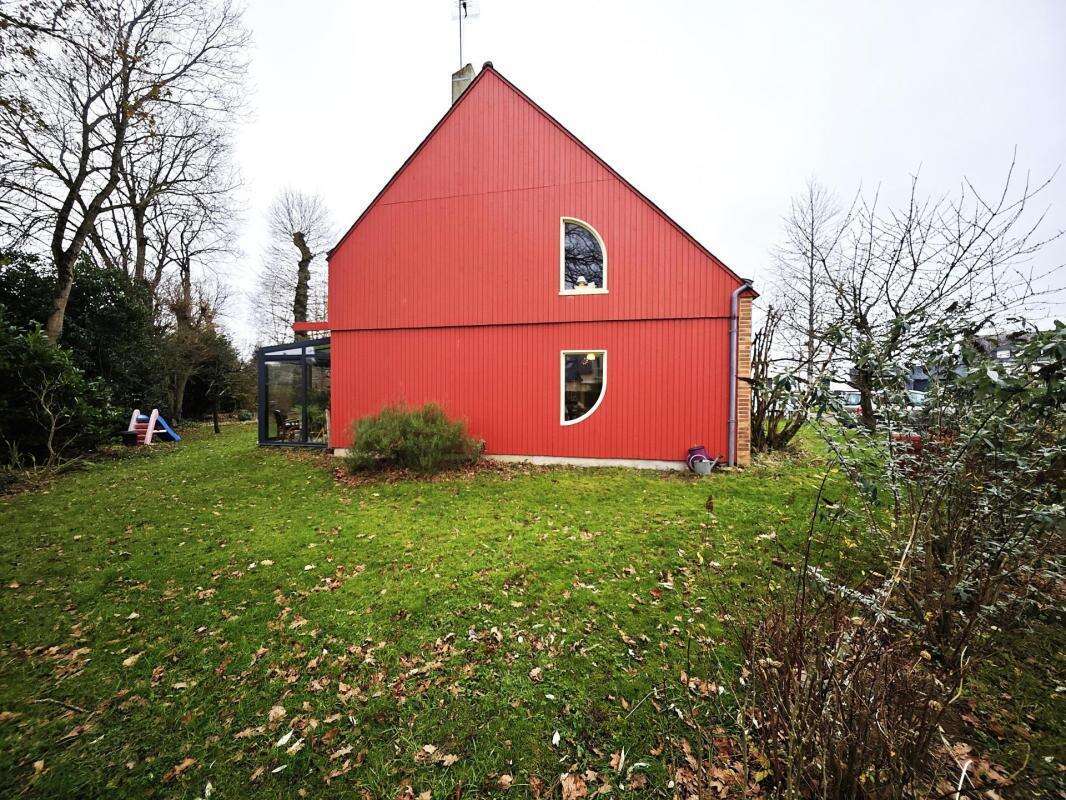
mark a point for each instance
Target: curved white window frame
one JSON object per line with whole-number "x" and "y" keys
{"x": 562, "y": 257}
{"x": 562, "y": 384}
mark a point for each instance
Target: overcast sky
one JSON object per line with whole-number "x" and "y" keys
{"x": 718, "y": 111}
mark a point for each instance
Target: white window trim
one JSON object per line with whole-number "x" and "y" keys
{"x": 562, "y": 385}
{"x": 562, "y": 257}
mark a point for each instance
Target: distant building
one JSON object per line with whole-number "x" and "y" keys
{"x": 1001, "y": 347}
{"x": 918, "y": 379}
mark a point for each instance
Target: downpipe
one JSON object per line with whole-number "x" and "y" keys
{"x": 734, "y": 305}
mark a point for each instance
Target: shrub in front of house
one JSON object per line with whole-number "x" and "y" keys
{"x": 422, "y": 440}
{"x": 244, "y": 415}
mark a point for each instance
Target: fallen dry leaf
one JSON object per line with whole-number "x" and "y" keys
{"x": 76, "y": 731}
{"x": 573, "y": 786}
{"x": 296, "y": 747}
{"x": 276, "y": 713}
{"x": 536, "y": 674}
{"x": 505, "y": 781}
{"x": 340, "y": 753}
{"x": 178, "y": 768}
{"x": 129, "y": 662}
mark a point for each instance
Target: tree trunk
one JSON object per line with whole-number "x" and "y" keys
{"x": 864, "y": 384}
{"x": 183, "y": 313}
{"x": 140, "y": 236}
{"x": 64, "y": 281}
{"x": 66, "y": 259}
{"x": 303, "y": 280}
{"x": 811, "y": 331}
{"x": 214, "y": 415}
{"x": 180, "y": 382}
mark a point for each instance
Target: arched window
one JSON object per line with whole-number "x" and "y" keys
{"x": 583, "y": 383}
{"x": 582, "y": 259}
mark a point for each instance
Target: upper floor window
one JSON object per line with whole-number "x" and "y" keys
{"x": 583, "y": 259}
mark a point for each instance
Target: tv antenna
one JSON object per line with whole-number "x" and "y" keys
{"x": 463, "y": 10}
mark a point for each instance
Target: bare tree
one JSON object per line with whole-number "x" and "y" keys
{"x": 91, "y": 85}
{"x": 898, "y": 274}
{"x": 190, "y": 157}
{"x": 782, "y": 390}
{"x": 813, "y": 232}
{"x": 199, "y": 236}
{"x": 290, "y": 286}
{"x": 188, "y": 160}
{"x": 793, "y": 352}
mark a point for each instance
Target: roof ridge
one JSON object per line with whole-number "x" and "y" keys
{"x": 487, "y": 68}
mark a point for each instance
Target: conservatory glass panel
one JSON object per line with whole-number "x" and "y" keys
{"x": 284, "y": 384}
{"x": 318, "y": 394}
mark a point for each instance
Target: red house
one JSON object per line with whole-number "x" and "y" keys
{"x": 508, "y": 274}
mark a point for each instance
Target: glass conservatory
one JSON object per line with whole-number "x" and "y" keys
{"x": 294, "y": 394}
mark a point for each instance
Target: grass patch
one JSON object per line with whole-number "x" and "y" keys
{"x": 155, "y": 610}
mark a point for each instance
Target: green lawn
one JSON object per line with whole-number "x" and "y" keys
{"x": 155, "y": 609}
{"x": 168, "y": 618}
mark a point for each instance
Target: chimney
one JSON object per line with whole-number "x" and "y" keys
{"x": 460, "y": 80}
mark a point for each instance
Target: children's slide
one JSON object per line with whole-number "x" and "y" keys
{"x": 146, "y": 428}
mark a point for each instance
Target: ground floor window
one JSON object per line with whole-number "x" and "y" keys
{"x": 294, "y": 393}
{"x": 583, "y": 382}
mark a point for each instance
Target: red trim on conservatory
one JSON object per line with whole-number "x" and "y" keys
{"x": 307, "y": 327}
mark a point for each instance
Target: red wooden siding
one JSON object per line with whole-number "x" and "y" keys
{"x": 664, "y": 384}
{"x": 447, "y": 290}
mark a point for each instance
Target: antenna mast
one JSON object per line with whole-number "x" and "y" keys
{"x": 463, "y": 10}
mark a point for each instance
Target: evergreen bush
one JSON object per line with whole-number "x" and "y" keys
{"x": 422, "y": 440}
{"x": 49, "y": 410}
